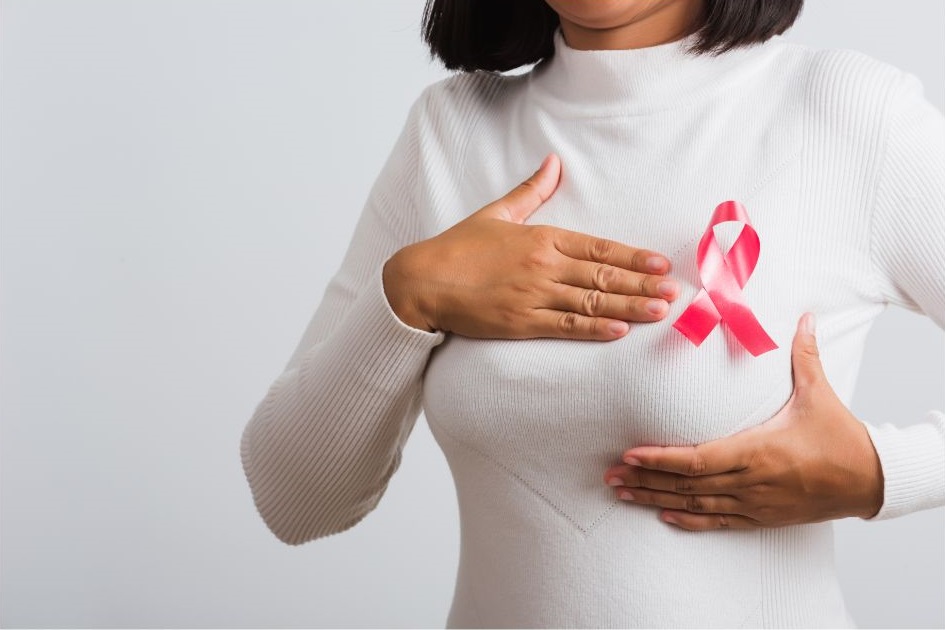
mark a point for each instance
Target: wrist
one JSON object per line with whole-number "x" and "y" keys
{"x": 871, "y": 477}
{"x": 400, "y": 284}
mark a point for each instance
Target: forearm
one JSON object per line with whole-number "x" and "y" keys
{"x": 321, "y": 446}
{"x": 913, "y": 461}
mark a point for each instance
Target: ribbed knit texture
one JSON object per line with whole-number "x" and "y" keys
{"x": 839, "y": 162}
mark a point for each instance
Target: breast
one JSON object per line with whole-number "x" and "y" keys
{"x": 554, "y": 414}
{"x": 652, "y": 386}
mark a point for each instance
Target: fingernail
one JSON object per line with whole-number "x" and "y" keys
{"x": 618, "y": 328}
{"x": 615, "y": 481}
{"x": 810, "y": 324}
{"x": 669, "y": 518}
{"x": 626, "y": 495}
{"x": 656, "y": 307}
{"x": 633, "y": 461}
{"x": 667, "y": 287}
{"x": 655, "y": 263}
{"x": 544, "y": 162}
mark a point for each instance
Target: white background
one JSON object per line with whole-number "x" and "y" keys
{"x": 179, "y": 181}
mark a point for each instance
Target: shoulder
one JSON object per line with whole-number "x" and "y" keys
{"x": 846, "y": 99}
{"x": 454, "y": 105}
{"x": 467, "y": 84}
{"x": 470, "y": 89}
{"x": 449, "y": 112}
{"x": 846, "y": 83}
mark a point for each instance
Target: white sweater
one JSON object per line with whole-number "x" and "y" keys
{"x": 840, "y": 163}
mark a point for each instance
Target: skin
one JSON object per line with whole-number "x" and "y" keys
{"x": 493, "y": 276}
{"x": 541, "y": 281}
{"x": 813, "y": 461}
{"x": 623, "y": 24}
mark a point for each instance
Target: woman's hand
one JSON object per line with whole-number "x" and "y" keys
{"x": 811, "y": 462}
{"x": 490, "y": 276}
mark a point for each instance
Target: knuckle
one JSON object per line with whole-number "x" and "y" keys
{"x": 604, "y": 277}
{"x": 544, "y": 236}
{"x": 810, "y": 352}
{"x": 723, "y": 522}
{"x": 683, "y": 485}
{"x": 540, "y": 255}
{"x": 651, "y": 282}
{"x": 695, "y": 504}
{"x": 697, "y": 465}
{"x": 568, "y": 323}
{"x": 756, "y": 493}
{"x": 636, "y": 309}
{"x": 601, "y": 249}
{"x": 538, "y": 259}
{"x": 508, "y": 318}
{"x": 764, "y": 514}
{"x": 756, "y": 459}
{"x": 593, "y": 302}
{"x": 529, "y": 187}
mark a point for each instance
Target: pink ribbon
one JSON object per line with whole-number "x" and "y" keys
{"x": 723, "y": 277}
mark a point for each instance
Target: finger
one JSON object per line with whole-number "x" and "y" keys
{"x": 805, "y": 357}
{"x": 635, "y": 477}
{"x": 611, "y": 279}
{"x": 692, "y": 503}
{"x": 523, "y": 200}
{"x": 728, "y": 454}
{"x": 601, "y": 250}
{"x": 704, "y": 522}
{"x": 594, "y": 303}
{"x": 569, "y": 325}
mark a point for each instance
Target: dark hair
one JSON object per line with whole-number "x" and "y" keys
{"x": 505, "y": 34}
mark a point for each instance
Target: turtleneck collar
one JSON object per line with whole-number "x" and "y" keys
{"x": 636, "y": 81}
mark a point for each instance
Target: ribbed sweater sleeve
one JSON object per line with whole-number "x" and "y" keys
{"x": 323, "y": 443}
{"x": 908, "y": 248}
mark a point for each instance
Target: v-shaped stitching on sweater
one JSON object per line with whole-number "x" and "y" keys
{"x": 600, "y": 518}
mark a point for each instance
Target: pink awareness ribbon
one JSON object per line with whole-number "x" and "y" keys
{"x": 723, "y": 277}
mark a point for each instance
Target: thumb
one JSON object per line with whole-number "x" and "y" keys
{"x": 523, "y": 200}
{"x": 805, "y": 357}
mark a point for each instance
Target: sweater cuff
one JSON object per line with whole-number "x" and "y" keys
{"x": 913, "y": 462}
{"x": 380, "y": 318}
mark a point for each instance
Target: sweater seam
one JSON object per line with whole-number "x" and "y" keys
{"x": 493, "y": 91}
{"x": 879, "y": 170}
{"x": 415, "y": 184}
{"x": 585, "y": 531}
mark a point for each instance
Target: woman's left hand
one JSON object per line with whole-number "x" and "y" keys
{"x": 813, "y": 461}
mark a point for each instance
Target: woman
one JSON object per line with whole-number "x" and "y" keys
{"x": 541, "y": 333}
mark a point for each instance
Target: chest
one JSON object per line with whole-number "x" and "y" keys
{"x": 565, "y": 410}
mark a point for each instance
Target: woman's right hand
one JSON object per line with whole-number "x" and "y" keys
{"x": 490, "y": 276}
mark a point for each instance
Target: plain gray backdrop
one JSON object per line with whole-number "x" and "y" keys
{"x": 179, "y": 181}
